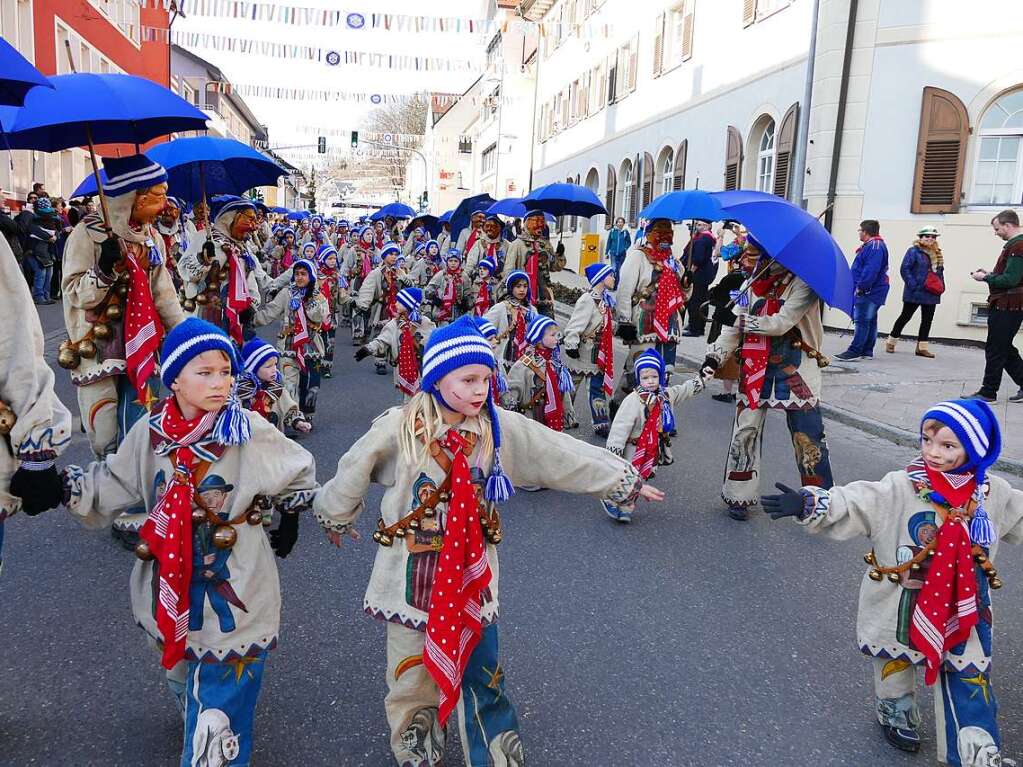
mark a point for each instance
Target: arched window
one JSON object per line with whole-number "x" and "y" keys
{"x": 592, "y": 182}
{"x": 765, "y": 159}
{"x": 998, "y": 175}
{"x": 627, "y": 193}
{"x": 666, "y": 170}
{"x": 610, "y": 196}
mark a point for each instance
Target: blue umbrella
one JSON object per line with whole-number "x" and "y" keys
{"x": 279, "y": 209}
{"x": 461, "y": 215}
{"x": 84, "y": 109}
{"x": 17, "y": 76}
{"x": 223, "y": 165}
{"x": 565, "y": 200}
{"x": 796, "y": 239}
{"x": 684, "y": 205}
{"x": 88, "y": 186}
{"x": 298, "y": 215}
{"x": 445, "y": 217}
{"x": 430, "y": 223}
{"x": 394, "y": 210}
{"x": 509, "y": 206}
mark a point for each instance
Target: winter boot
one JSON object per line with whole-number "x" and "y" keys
{"x": 889, "y": 345}
{"x": 923, "y": 351}
{"x": 903, "y": 738}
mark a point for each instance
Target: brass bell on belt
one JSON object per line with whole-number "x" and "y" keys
{"x": 915, "y": 566}
{"x": 875, "y": 575}
{"x": 400, "y": 532}
{"x": 981, "y": 558}
{"x": 101, "y": 331}
{"x": 429, "y": 513}
{"x": 68, "y": 357}
{"x": 224, "y": 273}
{"x": 413, "y": 524}
{"x": 995, "y": 583}
{"x": 142, "y": 551}
{"x": 893, "y": 577}
{"x": 114, "y": 312}
{"x": 385, "y": 539}
{"x": 202, "y": 299}
{"x": 198, "y": 516}
{"x": 224, "y": 536}
{"x": 7, "y": 419}
{"x": 869, "y": 558}
{"x": 254, "y": 517}
{"x": 213, "y": 285}
{"x": 86, "y": 348}
{"x": 188, "y": 304}
{"x": 494, "y": 536}
{"x": 122, "y": 289}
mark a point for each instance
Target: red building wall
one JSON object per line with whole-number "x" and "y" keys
{"x": 151, "y": 61}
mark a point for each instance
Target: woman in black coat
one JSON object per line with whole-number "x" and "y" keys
{"x": 922, "y": 258}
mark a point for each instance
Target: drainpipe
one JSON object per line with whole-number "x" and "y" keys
{"x": 803, "y": 132}
{"x": 843, "y": 92}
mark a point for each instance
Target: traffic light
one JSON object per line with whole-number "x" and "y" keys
{"x": 321, "y": 145}
{"x": 355, "y": 139}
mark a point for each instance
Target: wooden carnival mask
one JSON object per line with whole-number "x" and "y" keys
{"x": 535, "y": 225}
{"x": 244, "y": 224}
{"x": 149, "y": 203}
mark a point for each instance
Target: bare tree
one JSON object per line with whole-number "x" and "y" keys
{"x": 405, "y": 118}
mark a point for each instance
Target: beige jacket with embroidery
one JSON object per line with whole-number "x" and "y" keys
{"x": 84, "y": 288}
{"x": 500, "y": 315}
{"x": 531, "y": 454}
{"x": 268, "y": 464}
{"x": 316, "y": 311}
{"x": 631, "y": 416}
{"x": 583, "y": 331}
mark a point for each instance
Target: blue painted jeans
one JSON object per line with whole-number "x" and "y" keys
{"x": 41, "y": 277}
{"x": 865, "y": 319}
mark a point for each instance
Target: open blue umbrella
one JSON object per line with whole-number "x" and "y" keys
{"x": 509, "y": 206}
{"x": 430, "y": 223}
{"x": 394, "y": 210}
{"x": 445, "y": 217}
{"x": 279, "y": 209}
{"x": 461, "y": 215}
{"x": 565, "y": 200}
{"x": 222, "y": 165}
{"x": 683, "y": 206}
{"x": 298, "y": 215}
{"x": 83, "y": 109}
{"x": 796, "y": 239}
{"x": 17, "y": 76}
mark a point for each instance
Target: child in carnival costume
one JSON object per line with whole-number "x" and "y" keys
{"x": 448, "y": 457}
{"x": 316, "y": 234}
{"x": 302, "y": 309}
{"x": 334, "y": 287}
{"x": 260, "y": 387}
{"x": 589, "y": 343}
{"x": 220, "y": 273}
{"x": 448, "y": 290}
{"x": 284, "y": 254}
{"x": 205, "y": 588}
{"x": 426, "y": 264}
{"x": 511, "y": 317}
{"x": 469, "y": 235}
{"x": 925, "y": 599}
{"x": 377, "y": 301}
{"x": 651, "y": 296}
{"x": 532, "y": 253}
{"x": 776, "y": 335}
{"x": 642, "y": 428}
{"x": 119, "y": 300}
{"x": 484, "y": 287}
{"x": 490, "y": 246}
{"x": 418, "y": 237}
{"x": 539, "y": 384}
{"x": 401, "y": 342}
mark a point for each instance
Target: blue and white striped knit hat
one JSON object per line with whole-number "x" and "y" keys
{"x": 229, "y": 204}
{"x": 453, "y": 253}
{"x": 487, "y": 328}
{"x": 436, "y": 244}
{"x": 419, "y": 248}
{"x": 309, "y": 266}
{"x": 256, "y": 353}
{"x": 538, "y": 324}
{"x": 513, "y": 277}
{"x": 324, "y": 252}
{"x": 286, "y": 231}
{"x": 189, "y": 339}
{"x": 454, "y": 346}
{"x": 488, "y": 263}
{"x": 975, "y": 425}
{"x": 309, "y": 249}
{"x": 596, "y": 273}
{"x": 129, "y": 174}
{"x": 410, "y": 298}
{"x": 650, "y": 360}
{"x": 388, "y": 249}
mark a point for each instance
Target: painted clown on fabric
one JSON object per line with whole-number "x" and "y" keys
{"x": 447, "y": 458}
{"x": 925, "y": 599}
{"x": 589, "y": 343}
{"x": 531, "y": 252}
{"x": 220, "y": 272}
{"x": 401, "y": 341}
{"x": 119, "y": 300}
{"x": 539, "y": 384}
{"x": 642, "y": 428}
{"x": 205, "y": 586}
{"x": 775, "y": 332}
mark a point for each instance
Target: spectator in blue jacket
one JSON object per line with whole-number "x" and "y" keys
{"x": 698, "y": 259}
{"x": 923, "y": 258}
{"x": 618, "y": 243}
{"x": 870, "y": 276}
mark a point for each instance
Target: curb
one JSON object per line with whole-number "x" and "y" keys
{"x": 893, "y": 434}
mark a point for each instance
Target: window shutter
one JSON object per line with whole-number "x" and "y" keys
{"x": 679, "y": 181}
{"x": 940, "y": 153}
{"x": 612, "y": 76}
{"x": 637, "y": 181}
{"x": 749, "y": 12}
{"x": 659, "y": 45}
{"x": 633, "y": 62}
{"x": 785, "y": 143}
{"x": 687, "y": 30}
{"x": 733, "y": 159}
{"x": 609, "y": 197}
{"x": 566, "y": 105}
{"x": 648, "y": 178}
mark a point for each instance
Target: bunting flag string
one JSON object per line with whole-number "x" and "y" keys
{"x": 267, "y": 48}
{"x": 288, "y": 93}
{"x": 258, "y": 10}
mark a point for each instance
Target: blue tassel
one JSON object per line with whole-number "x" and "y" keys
{"x": 609, "y": 299}
{"x": 232, "y": 427}
{"x": 667, "y": 417}
{"x": 296, "y": 299}
{"x": 155, "y": 259}
{"x": 564, "y": 377}
{"x": 982, "y": 532}
{"x": 499, "y": 488}
{"x": 342, "y": 282}
{"x": 502, "y": 383}
{"x": 414, "y": 316}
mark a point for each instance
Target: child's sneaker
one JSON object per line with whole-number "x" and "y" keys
{"x": 902, "y": 738}
{"x": 617, "y": 514}
{"x": 738, "y": 513}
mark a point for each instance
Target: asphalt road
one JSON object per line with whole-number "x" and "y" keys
{"x": 683, "y": 639}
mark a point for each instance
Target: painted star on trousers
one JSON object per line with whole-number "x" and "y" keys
{"x": 496, "y": 677}
{"x": 980, "y": 681}
{"x": 241, "y": 666}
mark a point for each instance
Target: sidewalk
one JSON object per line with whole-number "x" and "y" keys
{"x": 887, "y": 395}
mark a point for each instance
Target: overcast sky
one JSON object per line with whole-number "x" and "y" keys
{"x": 287, "y": 118}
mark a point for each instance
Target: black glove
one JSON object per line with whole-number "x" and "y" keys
{"x": 789, "y": 503}
{"x": 209, "y": 252}
{"x": 245, "y": 316}
{"x": 283, "y": 539}
{"x": 361, "y": 354}
{"x": 725, "y": 316}
{"x": 709, "y": 367}
{"x": 627, "y": 332}
{"x": 109, "y": 254}
{"x": 39, "y": 489}
{"x": 573, "y": 353}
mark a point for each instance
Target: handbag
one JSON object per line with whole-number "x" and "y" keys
{"x": 934, "y": 284}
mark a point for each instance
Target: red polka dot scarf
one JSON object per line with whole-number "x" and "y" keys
{"x": 454, "y": 621}
{"x": 143, "y": 330}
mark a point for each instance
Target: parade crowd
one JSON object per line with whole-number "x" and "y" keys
{"x": 196, "y": 425}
